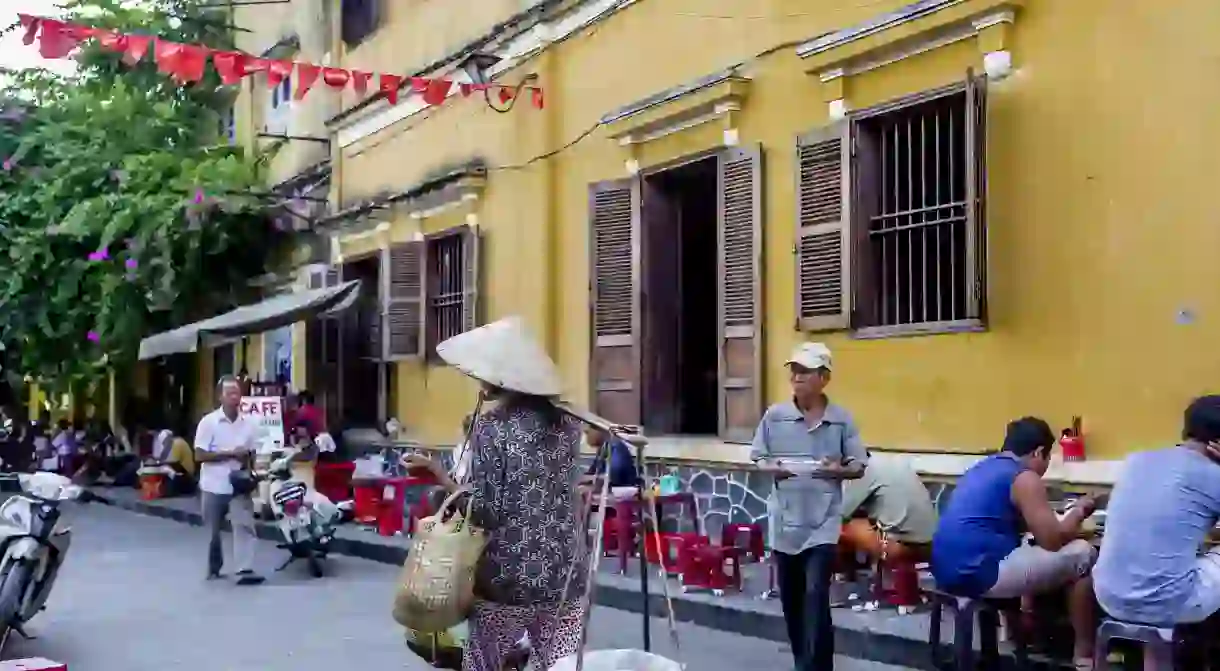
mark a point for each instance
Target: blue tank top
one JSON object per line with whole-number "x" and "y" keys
{"x": 979, "y": 527}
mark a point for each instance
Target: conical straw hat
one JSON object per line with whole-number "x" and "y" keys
{"x": 503, "y": 354}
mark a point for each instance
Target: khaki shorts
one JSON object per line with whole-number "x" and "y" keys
{"x": 1205, "y": 601}
{"x": 1030, "y": 570}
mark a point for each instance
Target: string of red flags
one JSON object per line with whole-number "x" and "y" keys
{"x": 187, "y": 63}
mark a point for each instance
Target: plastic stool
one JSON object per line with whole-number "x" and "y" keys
{"x": 731, "y": 536}
{"x": 702, "y": 567}
{"x": 903, "y": 590}
{"x": 152, "y": 487}
{"x": 368, "y": 500}
{"x": 965, "y": 612}
{"x": 32, "y": 664}
{"x": 1158, "y": 642}
{"x": 670, "y": 545}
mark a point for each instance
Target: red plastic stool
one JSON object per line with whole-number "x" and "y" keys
{"x": 610, "y": 536}
{"x": 903, "y": 588}
{"x": 32, "y": 664}
{"x": 391, "y": 513}
{"x": 731, "y": 536}
{"x": 670, "y": 546}
{"x": 367, "y": 501}
{"x": 703, "y": 567}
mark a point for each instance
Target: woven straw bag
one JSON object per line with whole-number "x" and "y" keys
{"x": 436, "y": 587}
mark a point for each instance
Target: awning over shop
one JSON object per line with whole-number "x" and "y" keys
{"x": 250, "y": 319}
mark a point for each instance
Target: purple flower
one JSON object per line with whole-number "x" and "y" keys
{"x": 199, "y": 197}
{"x": 93, "y": 336}
{"x": 8, "y": 164}
{"x": 131, "y": 264}
{"x": 100, "y": 255}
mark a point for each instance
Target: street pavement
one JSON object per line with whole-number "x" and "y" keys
{"x": 131, "y": 597}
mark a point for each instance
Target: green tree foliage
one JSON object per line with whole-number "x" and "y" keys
{"x": 121, "y": 161}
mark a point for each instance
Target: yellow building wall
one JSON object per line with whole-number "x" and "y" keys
{"x": 1101, "y": 153}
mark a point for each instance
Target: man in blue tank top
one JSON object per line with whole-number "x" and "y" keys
{"x": 977, "y": 550}
{"x": 1163, "y": 507}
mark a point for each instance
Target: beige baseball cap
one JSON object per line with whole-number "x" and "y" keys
{"x": 811, "y": 355}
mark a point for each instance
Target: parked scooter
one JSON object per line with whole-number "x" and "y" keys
{"x": 33, "y": 545}
{"x": 306, "y": 519}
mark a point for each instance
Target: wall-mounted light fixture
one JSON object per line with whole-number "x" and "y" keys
{"x": 477, "y": 67}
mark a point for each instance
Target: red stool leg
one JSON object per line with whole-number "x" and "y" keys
{"x": 906, "y": 585}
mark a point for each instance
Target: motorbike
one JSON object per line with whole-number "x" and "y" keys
{"x": 306, "y": 519}
{"x": 33, "y": 544}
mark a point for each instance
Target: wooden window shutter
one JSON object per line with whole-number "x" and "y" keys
{"x": 472, "y": 243}
{"x": 739, "y": 268}
{"x": 976, "y": 200}
{"x": 824, "y": 236}
{"x": 404, "y": 305}
{"x": 614, "y": 366}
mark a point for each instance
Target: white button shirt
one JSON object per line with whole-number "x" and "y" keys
{"x": 217, "y": 433}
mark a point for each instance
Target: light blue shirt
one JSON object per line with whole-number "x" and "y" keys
{"x": 806, "y": 511}
{"x": 1163, "y": 506}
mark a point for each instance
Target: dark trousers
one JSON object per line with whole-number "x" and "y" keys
{"x": 804, "y": 593}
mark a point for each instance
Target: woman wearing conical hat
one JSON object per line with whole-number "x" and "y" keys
{"x": 522, "y": 479}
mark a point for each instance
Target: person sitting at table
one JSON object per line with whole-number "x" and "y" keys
{"x": 888, "y": 512}
{"x": 977, "y": 549}
{"x": 621, "y": 469}
{"x": 305, "y": 454}
{"x": 1162, "y": 508}
{"x": 173, "y": 457}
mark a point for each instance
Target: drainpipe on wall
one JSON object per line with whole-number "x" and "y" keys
{"x": 550, "y": 206}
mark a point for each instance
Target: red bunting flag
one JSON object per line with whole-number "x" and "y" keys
{"x": 230, "y": 65}
{"x": 389, "y": 85}
{"x": 360, "y": 81}
{"x": 307, "y": 76}
{"x": 56, "y": 39}
{"x": 187, "y": 63}
{"x": 437, "y": 91}
{"x": 183, "y": 62}
{"x": 277, "y": 72}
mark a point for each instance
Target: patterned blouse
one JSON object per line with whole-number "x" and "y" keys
{"x": 523, "y": 479}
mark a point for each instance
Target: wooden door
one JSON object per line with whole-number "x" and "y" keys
{"x": 614, "y": 300}
{"x": 661, "y": 326}
{"x": 739, "y": 295}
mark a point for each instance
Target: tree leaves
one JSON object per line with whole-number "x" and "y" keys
{"x": 112, "y": 158}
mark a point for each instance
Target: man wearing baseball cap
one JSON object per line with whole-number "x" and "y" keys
{"x": 811, "y": 445}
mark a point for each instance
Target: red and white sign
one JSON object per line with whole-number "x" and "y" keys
{"x": 267, "y": 413}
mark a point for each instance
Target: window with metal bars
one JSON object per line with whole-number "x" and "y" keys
{"x": 891, "y": 233}
{"x": 916, "y": 234}
{"x": 446, "y": 287}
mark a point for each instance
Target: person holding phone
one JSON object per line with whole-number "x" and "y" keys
{"x": 810, "y": 435}
{"x": 224, "y": 443}
{"x": 1164, "y": 505}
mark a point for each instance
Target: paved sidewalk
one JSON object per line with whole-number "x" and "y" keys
{"x": 880, "y": 636}
{"x": 131, "y": 597}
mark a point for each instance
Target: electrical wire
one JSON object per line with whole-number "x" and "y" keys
{"x": 592, "y": 28}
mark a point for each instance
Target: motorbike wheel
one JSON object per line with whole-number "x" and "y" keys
{"x": 13, "y": 585}
{"x": 315, "y": 566}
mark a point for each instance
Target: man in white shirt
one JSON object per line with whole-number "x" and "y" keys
{"x": 224, "y": 441}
